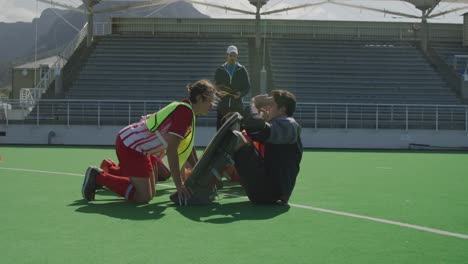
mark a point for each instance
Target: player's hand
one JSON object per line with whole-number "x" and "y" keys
{"x": 262, "y": 100}
{"x": 183, "y": 195}
{"x": 264, "y": 113}
{"x": 237, "y": 95}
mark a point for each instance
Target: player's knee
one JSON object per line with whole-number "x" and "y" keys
{"x": 143, "y": 198}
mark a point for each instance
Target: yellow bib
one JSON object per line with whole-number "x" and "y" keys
{"x": 186, "y": 145}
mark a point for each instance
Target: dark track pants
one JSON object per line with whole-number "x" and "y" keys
{"x": 251, "y": 169}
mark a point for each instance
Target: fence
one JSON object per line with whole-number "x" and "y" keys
{"x": 309, "y": 115}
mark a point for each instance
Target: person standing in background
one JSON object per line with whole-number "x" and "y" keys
{"x": 233, "y": 83}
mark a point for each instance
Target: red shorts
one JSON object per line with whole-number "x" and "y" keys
{"x": 133, "y": 163}
{"x": 157, "y": 158}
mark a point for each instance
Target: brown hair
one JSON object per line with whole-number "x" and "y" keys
{"x": 202, "y": 87}
{"x": 286, "y": 99}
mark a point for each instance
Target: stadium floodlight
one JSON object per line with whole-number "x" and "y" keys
{"x": 258, "y": 2}
{"x": 423, "y": 4}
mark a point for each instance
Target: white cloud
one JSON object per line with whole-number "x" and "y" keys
{"x": 16, "y": 14}
{"x": 12, "y": 12}
{"x": 26, "y": 10}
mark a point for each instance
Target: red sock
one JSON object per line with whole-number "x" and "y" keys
{"x": 120, "y": 185}
{"x": 110, "y": 167}
{"x": 115, "y": 170}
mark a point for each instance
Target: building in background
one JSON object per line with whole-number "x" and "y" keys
{"x": 30, "y": 74}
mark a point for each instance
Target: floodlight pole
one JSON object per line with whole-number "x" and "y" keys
{"x": 426, "y": 10}
{"x": 89, "y": 11}
{"x": 89, "y": 40}
{"x": 263, "y": 72}
{"x": 257, "y": 26}
{"x": 424, "y": 32}
{"x": 424, "y": 25}
{"x": 260, "y": 68}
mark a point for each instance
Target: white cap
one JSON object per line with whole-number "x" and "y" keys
{"x": 232, "y": 49}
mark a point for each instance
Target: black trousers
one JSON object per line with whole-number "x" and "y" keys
{"x": 251, "y": 169}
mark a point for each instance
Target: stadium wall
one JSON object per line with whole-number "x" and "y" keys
{"x": 312, "y": 138}
{"x": 343, "y": 30}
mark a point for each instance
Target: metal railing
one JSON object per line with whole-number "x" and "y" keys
{"x": 29, "y": 96}
{"x": 309, "y": 115}
{"x": 4, "y": 110}
{"x": 102, "y": 28}
{"x": 74, "y": 43}
{"x": 456, "y": 59}
{"x": 49, "y": 77}
{"x": 383, "y": 116}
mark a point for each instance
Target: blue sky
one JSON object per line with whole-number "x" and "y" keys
{"x": 25, "y": 10}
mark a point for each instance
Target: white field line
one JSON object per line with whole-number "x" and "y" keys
{"x": 374, "y": 219}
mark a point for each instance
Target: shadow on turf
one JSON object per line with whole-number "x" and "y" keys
{"x": 232, "y": 212}
{"x": 109, "y": 204}
{"x": 118, "y": 208}
{"x": 234, "y": 189}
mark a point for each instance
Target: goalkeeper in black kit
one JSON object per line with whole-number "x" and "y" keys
{"x": 266, "y": 154}
{"x": 269, "y": 153}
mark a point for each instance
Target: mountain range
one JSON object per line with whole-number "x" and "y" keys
{"x": 17, "y": 43}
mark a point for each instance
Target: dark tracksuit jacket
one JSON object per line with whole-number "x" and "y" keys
{"x": 238, "y": 82}
{"x": 273, "y": 177}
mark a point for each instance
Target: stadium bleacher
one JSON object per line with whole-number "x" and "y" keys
{"x": 317, "y": 71}
{"x": 447, "y": 51}
{"x": 150, "y": 68}
{"x": 361, "y": 72}
{"x": 142, "y": 68}
{"x": 356, "y": 72}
